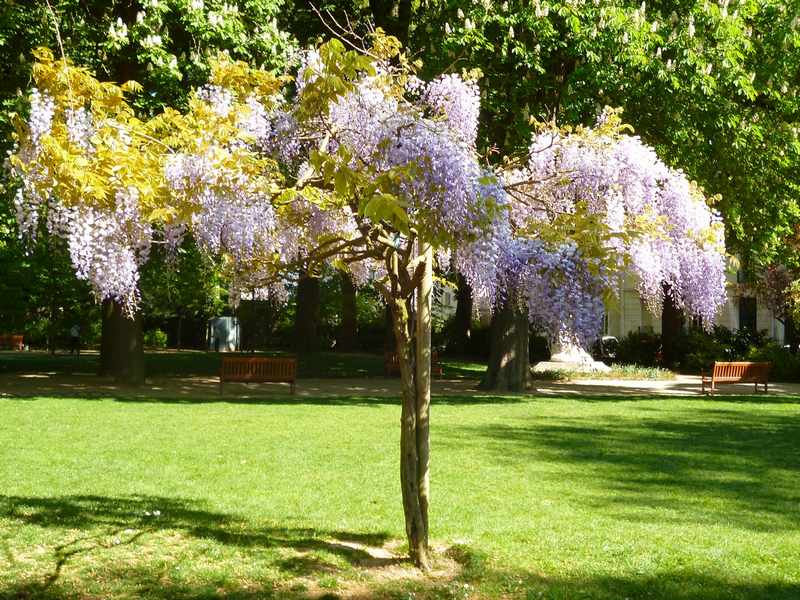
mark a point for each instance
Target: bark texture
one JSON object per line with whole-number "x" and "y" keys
{"x": 415, "y": 381}
{"x": 122, "y": 345}
{"x": 509, "y": 359}
{"x": 423, "y": 385}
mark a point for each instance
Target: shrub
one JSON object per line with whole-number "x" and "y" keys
{"x": 785, "y": 365}
{"x": 155, "y": 338}
{"x": 639, "y": 348}
{"x": 701, "y": 348}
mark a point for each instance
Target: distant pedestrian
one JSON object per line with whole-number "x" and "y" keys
{"x": 75, "y": 340}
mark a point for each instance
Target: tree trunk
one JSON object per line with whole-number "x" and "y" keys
{"x": 122, "y": 345}
{"x": 106, "y": 335}
{"x": 414, "y": 420}
{"x": 179, "y": 334}
{"x": 306, "y": 323}
{"x": 509, "y": 361}
{"x": 462, "y": 320}
{"x": 389, "y": 342}
{"x": 671, "y": 329}
{"x": 423, "y": 389}
{"x": 790, "y": 334}
{"x": 348, "y": 333}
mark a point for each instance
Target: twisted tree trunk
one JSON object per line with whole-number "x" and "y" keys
{"x": 672, "y": 321}
{"x": 415, "y": 413}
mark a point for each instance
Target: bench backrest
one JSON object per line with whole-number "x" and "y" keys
{"x": 11, "y": 341}
{"x": 258, "y": 368}
{"x": 745, "y": 371}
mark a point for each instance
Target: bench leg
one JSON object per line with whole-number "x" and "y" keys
{"x": 291, "y": 387}
{"x": 220, "y": 387}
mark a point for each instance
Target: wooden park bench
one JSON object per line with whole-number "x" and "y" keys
{"x": 258, "y": 369}
{"x": 11, "y": 342}
{"x": 391, "y": 364}
{"x": 736, "y": 372}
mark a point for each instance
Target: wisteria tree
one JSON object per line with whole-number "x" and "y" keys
{"x": 362, "y": 165}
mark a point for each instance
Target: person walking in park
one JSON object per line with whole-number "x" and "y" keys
{"x": 75, "y": 340}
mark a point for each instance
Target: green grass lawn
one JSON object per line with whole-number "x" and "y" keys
{"x": 573, "y": 498}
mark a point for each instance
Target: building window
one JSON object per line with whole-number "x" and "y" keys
{"x": 747, "y": 313}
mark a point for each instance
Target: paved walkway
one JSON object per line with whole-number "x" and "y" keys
{"x": 42, "y": 384}
{"x": 682, "y": 385}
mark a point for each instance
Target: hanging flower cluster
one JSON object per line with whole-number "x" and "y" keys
{"x": 358, "y": 164}
{"x": 642, "y": 217}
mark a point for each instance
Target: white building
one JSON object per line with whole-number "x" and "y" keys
{"x": 629, "y": 314}
{"x": 444, "y": 301}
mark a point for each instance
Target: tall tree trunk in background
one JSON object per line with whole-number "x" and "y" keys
{"x": 122, "y": 345}
{"x": 306, "y": 323}
{"x": 509, "y": 359}
{"x": 106, "y": 336}
{"x": 790, "y": 334}
{"x": 348, "y": 332}
{"x": 462, "y": 320}
{"x": 122, "y": 337}
{"x": 179, "y": 333}
{"x": 389, "y": 342}
{"x": 672, "y": 321}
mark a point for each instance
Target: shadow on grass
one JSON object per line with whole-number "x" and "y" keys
{"x": 185, "y": 363}
{"x": 191, "y": 392}
{"x": 616, "y": 395}
{"x": 473, "y": 579}
{"x": 711, "y": 465}
{"x": 668, "y": 585}
{"x": 152, "y": 513}
{"x": 107, "y": 522}
{"x": 132, "y": 518}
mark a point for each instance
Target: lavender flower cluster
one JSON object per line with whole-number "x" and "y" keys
{"x": 106, "y": 245}
{"x": 622, "y": 181}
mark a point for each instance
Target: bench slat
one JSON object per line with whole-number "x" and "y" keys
{"x": 737, "y": 372}
{"x": 258, "y": 369}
